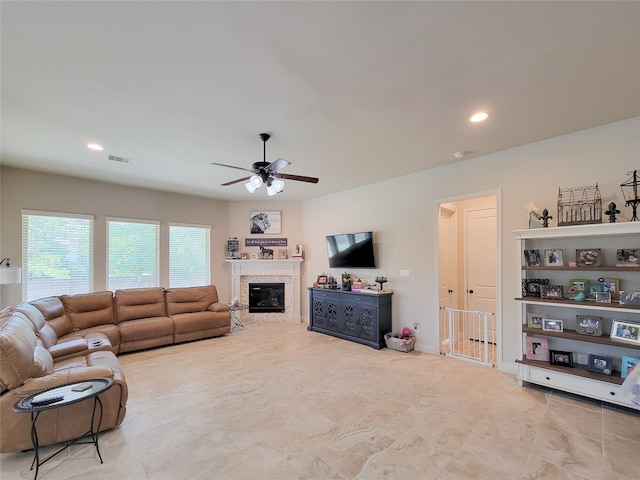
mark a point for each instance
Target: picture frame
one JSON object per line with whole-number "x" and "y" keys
{"x": 588, "y": 257}
{"x": 628, "y": 257}
{"x": 603, "y": 297}
{"x": 629, "y": 298}
{"x": 558, "y": 357}
{"x": 600, "y": 364}
{"x": 589, "y": 325}
{"x": 282, "y": 254}
{"x": 628, "y": 332}
{"x": 537, "y": 348}
{"x": 628, "y": 364}
{"x": 553, "y": 257}
{"x": 244, "y": 256}
{"x": 552, "y": 292}
{"x": 531, "y": 288}
{"x": 254, "y": 256}
{"x": 612, "y": 286}
{"x": 579, "y": 284}
{"x": 592, "y": 289}
{"x": 322, "y": 280}
{"x": 532, "y": 258}
{"x": 534, "y": 320}
{"x": 550, "y": 325}
{"x": 265, "y": 223}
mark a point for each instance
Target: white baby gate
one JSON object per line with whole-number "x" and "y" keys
{"x": 467, "y": 337}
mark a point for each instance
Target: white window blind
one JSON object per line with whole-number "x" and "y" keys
{"x": 57, "y": 254}
{"x": 189, "y": 255}
{"x": 132, "y": 253}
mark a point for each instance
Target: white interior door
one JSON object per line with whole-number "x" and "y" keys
{"x": 447, "y": 268}
{"x": 480, "y": 263}
{"x": 447, "y": 258}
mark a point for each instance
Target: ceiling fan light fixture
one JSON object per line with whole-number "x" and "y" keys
{"x": 250, "y": 186}
{"x": 271, "y": 190}
{"x": 278, "y": 184}
{"x": 256, "y": 181}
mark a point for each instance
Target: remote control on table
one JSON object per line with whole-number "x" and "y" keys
{"x": 81, "y": 387}
{"x": 46, "y": 400}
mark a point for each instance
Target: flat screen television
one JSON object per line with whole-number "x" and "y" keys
{"x": 351, "y": 250}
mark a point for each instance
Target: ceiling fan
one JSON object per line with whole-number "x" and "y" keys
{"x": 266, "y": 173}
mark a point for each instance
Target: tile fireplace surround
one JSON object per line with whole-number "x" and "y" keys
{"x": 244, "y": 272}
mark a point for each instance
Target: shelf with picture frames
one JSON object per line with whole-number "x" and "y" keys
{"x": 579, "y": 376}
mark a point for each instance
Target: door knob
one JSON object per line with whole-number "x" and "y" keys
{"x": 470, "y": 291}
{"x": 450, "y": 291}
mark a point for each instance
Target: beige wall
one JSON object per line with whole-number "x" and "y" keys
{"x": 23, "y": 189}
{"x": 402, "y": 213}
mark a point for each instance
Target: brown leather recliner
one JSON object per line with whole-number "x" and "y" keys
{"x": 26, "y": 367}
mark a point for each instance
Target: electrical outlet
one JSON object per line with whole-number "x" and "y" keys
{"x": 416, "y": 326}
{"x": 404, "y": 273}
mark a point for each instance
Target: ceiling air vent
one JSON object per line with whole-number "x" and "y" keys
{"x": 115, "y": 158}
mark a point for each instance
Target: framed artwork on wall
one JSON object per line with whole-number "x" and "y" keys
{"x": 267, "y": 223}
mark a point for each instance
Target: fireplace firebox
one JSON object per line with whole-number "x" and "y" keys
{"x": 266, "y": 298}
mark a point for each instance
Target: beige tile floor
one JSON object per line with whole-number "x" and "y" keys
{"x": 279, "y": 402}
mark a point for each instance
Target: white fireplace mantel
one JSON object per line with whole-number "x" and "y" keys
{"x": 279, "y": 268}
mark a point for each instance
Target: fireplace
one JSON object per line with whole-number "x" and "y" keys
{"x": 244, "y": 272}
{"x": 266, "y": 298}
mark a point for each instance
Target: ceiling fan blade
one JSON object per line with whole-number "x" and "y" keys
{"x": 235, "y": 181}
{"x": 230, "y": 166}
{"x": 278, "y": 164}
{"x": 299, "y": 178}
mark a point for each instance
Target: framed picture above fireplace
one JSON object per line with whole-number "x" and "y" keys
{"x": 267, "y": 223}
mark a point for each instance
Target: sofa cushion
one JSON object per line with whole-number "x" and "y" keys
{"x": 191, "y": 322}
{"x": 145, "y": 329}
{"x": 190, "y": 299}
{"x": 43, "y": 330}
{"x": 54, "y": 313}
{"x": 136, "y": 303}
{"x": 145, "y": 333}
{"x": 89, "y": 309}
{"x": 21, "y": 354}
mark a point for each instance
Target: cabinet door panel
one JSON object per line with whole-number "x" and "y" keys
{"x": 333, "y": 318}
{"x": 349, "y": 319}
{"x": 367, "y": 322}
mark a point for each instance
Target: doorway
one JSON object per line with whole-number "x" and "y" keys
{"x": 468, "y": 280}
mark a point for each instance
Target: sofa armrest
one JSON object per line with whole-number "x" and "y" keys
{"x": 57, "y": 379}
{"x": 218, "y": 307}
{"x": 67, "y": 348}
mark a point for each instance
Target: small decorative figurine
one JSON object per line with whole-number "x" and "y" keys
{"x": 612, "y": 212}
{"x": 545, "y": 218}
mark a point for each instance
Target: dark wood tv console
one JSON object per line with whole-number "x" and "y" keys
{"x": 360, "y": 317}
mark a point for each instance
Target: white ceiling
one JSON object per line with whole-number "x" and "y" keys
{"x": 352, "y": 92}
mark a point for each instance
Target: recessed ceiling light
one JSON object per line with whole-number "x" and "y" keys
{"x": 95, "y": 146}
{"x": 479, "y": 117}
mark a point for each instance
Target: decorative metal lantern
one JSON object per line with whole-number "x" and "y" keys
{"x": 630, "y": 193}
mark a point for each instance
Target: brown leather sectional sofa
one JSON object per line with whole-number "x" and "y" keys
{"x": 57, "y": 340}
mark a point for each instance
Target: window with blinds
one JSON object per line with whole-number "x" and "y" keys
{"x": 189, "y": 262}
{"x": 57, "y": 254}
{"x": 132, "y": 253}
